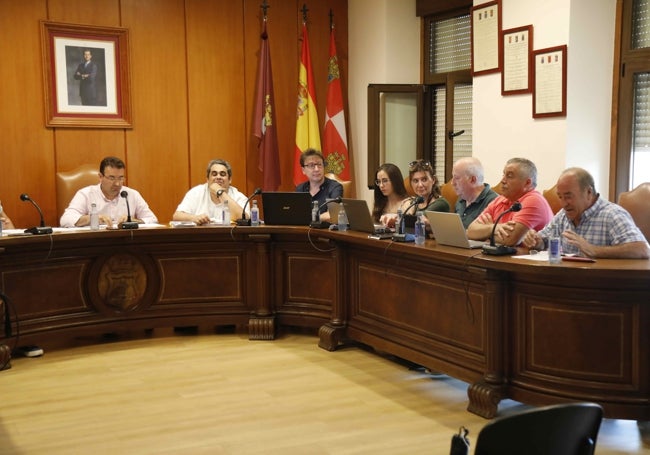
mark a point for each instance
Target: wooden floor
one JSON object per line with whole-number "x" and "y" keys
{"x": 223, "y": 394}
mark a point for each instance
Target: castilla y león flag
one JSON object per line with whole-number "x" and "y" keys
{"x": 307, "y": 130}
{"x": 335, "y": 139}
{"x": 264, "y": 127}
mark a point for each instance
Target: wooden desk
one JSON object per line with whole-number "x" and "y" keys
{"x": 512, "y": 329}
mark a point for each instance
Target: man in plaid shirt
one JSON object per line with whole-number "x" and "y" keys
{"x": 589, "y": 225}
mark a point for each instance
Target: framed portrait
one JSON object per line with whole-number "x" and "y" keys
{"x": 485, "y": 29}
{"x": 517, "y": 51}
{"x": 549, "y": 85}
{"x": 86, "y": 76}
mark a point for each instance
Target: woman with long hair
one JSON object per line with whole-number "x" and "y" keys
{"x": 390, "y": 194}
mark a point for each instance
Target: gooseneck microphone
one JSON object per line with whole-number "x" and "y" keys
{"x": 417, "y": 200}
{"x": 324, "y": 224}
{"x": 128, "y": 224}
{"x": 243, "y": 221}
{"x": 36, "y": 230}
{"x": 501, "y": 250}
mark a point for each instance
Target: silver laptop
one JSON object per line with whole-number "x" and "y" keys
{"x": 359, "y": 217}
{"x": 448, "y": 230}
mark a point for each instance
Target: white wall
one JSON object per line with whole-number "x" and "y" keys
{"x": 384, "y": 47}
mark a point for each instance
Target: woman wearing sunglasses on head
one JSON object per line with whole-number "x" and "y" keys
{"x": 425, "y": 184}
{"x": 390, "y": 194}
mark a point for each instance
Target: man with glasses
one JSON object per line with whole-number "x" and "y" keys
{"x": 107, "y": 199}
{"x": 320, "y": 187}
{"x": 204, "y": 203}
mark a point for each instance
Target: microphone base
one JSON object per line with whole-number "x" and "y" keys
{"x": 39, "y": 230}
{"x": 129, "y": 225}
{"x": 499, "y": 250}
{"x": 319, "y": 225}
{"x": 243, "y": 222}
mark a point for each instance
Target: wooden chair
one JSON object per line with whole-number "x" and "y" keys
{"x": 69, "y": 182}
{"x": 348, "y": 189}
{"x": 637, "y": 202}
{"x": 449, "y": 193}
{"x": 564, "y": 429}
{"x": 551, "y": 197}
{"x": 497, "y": 188}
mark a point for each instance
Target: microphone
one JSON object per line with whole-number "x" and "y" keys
{"x": 417, "y": 200}
{"x": 36, "y": 230}
{"x": 243, "y": 221}
{"x": 324, "y": 224}
{"x": 128, "y": 224}
{"x": 403, "y": 236}
{"x": 501, "y": 250}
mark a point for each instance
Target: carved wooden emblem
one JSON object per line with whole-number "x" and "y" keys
{"x": 122, "y": 281}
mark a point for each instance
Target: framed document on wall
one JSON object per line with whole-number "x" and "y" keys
{"x": 485, "y": 29}
{"x": 516, "y": 51}
{"x": 549, "y": 86}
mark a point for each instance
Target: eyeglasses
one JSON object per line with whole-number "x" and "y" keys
{"x": 422, "y": 163}
{"x": 313, "y": 165}
{"x": 382, "y": 182}
{"x": 113, "y": 179}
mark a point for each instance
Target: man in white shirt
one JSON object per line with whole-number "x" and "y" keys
{"x": 106, "y": 195}
{"x": 204, "y": 203}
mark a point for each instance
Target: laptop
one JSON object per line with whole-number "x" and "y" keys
{"x": 287, "y": 208}
{"x": 448, "y": 230}
{"x": 360, "y": 219}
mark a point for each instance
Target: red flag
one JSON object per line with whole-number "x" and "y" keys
{"x": 264, "y": 127}
{"x": 335, "y": 139}
{"x": 307, "y": 131}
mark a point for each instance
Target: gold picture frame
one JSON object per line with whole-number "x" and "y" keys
{"x": 86, "y": 76}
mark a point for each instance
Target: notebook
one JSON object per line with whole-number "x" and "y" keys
{"x": 287, "y": 208}
{"x": 360, "y": 219}
{"x": 448, "y": 230}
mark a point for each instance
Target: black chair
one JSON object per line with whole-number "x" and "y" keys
{"x": 564, "y": 429}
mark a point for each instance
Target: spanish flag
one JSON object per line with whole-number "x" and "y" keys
{"x": 307, "y": 130}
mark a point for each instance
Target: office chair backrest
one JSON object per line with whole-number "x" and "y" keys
{"x": 449, "y": 193}
{"x": 637, "y": 202}
{"x": 67, "y": 183}
{"x": 564, "y": 429}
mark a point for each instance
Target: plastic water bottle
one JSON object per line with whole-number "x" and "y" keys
{"x": 225, "y": 214}
{"x": 554, "y": 253}
{"x": 398, "y": 222}
{"x": 1, "y": 211}
{"x": 94, "y": 217}
{"x": 255, "y": 215}
{"x": 420, "y": 233}
{"x": 315, "y": 213}
{"x": 343, "y": 219}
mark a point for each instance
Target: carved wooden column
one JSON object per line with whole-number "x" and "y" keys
{"x": 5, "y": 351}
{"x": 331, "y": 334}
{"x": 261, "y": 325}
{"x": 485, "y": 395}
